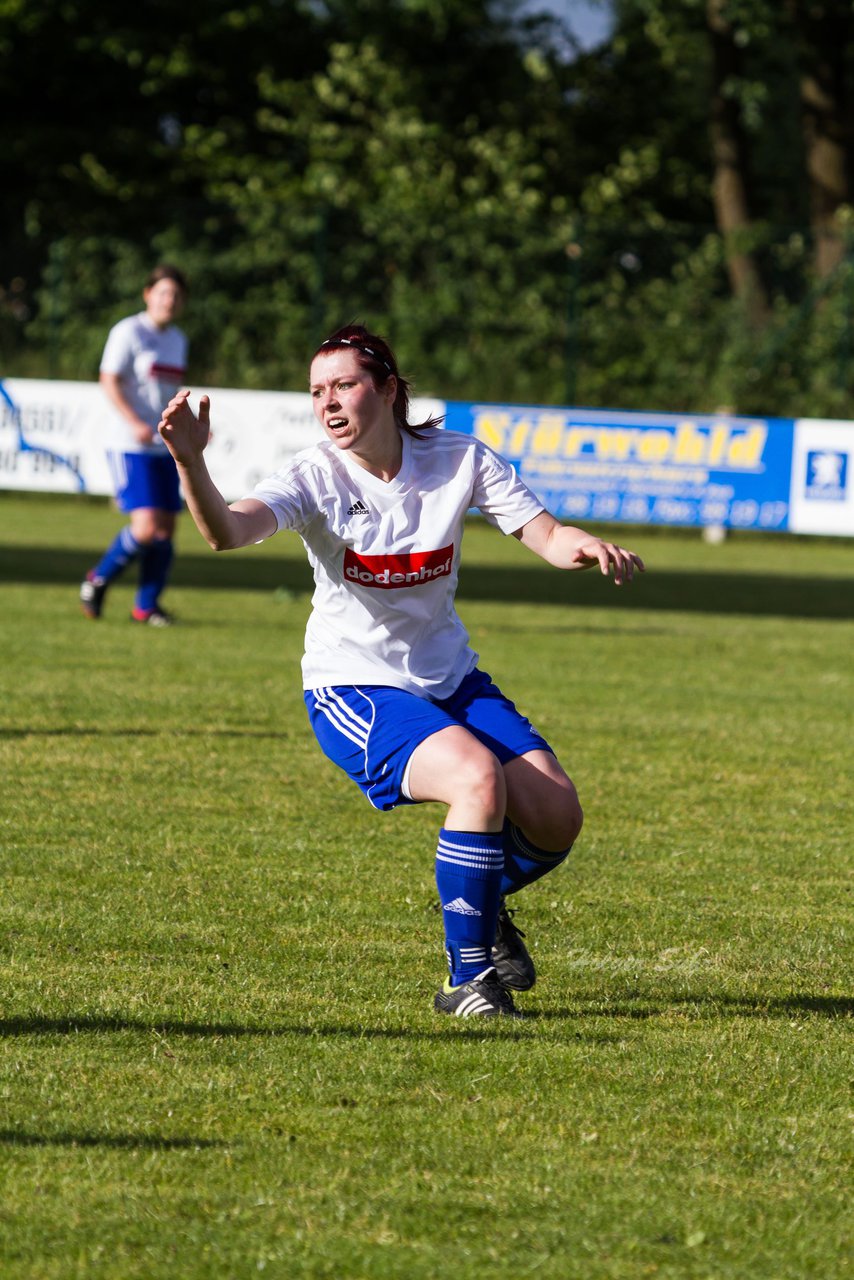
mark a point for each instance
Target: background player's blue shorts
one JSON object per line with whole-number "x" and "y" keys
{"x": 145, "y": 480}
{"x": 370, "y": 731}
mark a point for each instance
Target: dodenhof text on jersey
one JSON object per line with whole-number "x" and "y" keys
{"x": 406, "y": 569}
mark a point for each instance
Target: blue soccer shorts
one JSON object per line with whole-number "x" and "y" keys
{"x": 145, "y": 480}
{"x": 370, "y": 731}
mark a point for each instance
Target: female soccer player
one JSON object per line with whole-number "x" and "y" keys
{"x": 143, "y": 365}
{"x": 393, "y": 690}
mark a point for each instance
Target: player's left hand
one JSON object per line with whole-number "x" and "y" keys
{"x": 609, "y": 557}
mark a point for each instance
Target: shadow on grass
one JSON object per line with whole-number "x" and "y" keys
{"x": 117, "y": 1141}
{"x": 632, "y": 1008}
{"x": 86, "y": 1024}
{"x": 640, "y": 1008}
{"x": 95, "y": 731}
{"x": 535, "y": 583}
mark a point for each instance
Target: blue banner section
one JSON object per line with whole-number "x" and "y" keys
{"x": 670, "y": 469}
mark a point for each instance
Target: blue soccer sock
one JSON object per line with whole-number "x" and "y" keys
{"x": 468, "y": 876}
{"x": 122, "y": 550}
{"x": 524, "y": 862}
{"x": 155, "y": 563}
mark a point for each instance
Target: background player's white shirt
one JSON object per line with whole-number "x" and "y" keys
{"x": 386, "y": 555}
{"x": 152, "y": 364}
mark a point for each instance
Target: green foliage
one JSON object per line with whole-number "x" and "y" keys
{"x": 523, "y": 222}
{"x": 219, "y": 1056}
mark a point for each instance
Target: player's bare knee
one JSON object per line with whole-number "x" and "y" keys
{"x": 574, "y": 820}
{"x": 558, "y": 826}
{"x": 566, "y": 817}
{"x": 570, "y": 818}
{"x": 479, "y": 778}
{"x": 144, "y": 530}
{"x": 149, "y": 525}
{"x": 486, "y": 781}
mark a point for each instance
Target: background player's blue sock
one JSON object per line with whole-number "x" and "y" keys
{"x": 155, "y": 562}
{"x": 122, "y": 550}
{"x": 468, "y": 876}
{"x": 523, "y": 861}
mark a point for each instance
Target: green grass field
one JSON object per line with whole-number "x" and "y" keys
{"x": 219, "y": 1055}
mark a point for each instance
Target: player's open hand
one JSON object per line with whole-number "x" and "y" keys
{"x": 609, "y": 557}
{"x": 186, "y": 435}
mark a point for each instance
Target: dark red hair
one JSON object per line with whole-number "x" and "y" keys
{"x": 375, "y": 355}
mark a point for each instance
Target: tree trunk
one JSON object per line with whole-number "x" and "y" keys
{"x": 731, "y": 181}
{"x": 824, "y": 31}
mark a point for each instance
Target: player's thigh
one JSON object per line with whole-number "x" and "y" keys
{"x": 452, "y": 765}
{"x": 542, "y": 800}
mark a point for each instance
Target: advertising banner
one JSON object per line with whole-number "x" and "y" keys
{"x": 585, "y": 465}
{"x": 54, "y": 435}
{"x": 48, "y": 437}
{"x": 643, "y": 468}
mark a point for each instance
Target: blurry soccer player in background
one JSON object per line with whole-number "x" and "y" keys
{"x": 143, "y": 365}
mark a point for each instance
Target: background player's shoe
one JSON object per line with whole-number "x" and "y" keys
{"x": 92, "y": 592}
{"x": 483, "y": 997}
{"x": 513, "y": 964}
{"x": 155, "y": 617}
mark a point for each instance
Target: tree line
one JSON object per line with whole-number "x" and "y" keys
{"x": 663, "y": 221}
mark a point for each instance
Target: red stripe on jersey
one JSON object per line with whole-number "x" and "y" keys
{"x": 173, "y": 372}
{"x": 407, "y": 569}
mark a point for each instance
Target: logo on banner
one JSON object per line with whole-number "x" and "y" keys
{"x": 408, "y": 569}
{"x": 827, "y": 475}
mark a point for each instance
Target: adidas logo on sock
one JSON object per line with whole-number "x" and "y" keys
{"x": 461, "y": 907}
{"x": 358, "y": 509}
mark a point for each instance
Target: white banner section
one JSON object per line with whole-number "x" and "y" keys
{"x": 822, "y": 492}
{"x": 54, "y": 435}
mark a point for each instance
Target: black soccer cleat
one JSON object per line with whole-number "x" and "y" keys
{"x": 513, "y": 964}
{"x": 92, "y": 592}
{"x": 483, "y": 997}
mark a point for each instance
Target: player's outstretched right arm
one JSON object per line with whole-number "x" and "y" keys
{"x": 222, "y": 526}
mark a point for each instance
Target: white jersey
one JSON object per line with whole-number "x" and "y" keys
{"x": 386, "y": 555}
{"x": 152, "y": 364}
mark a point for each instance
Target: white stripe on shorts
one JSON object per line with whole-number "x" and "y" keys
{"x": 118, "y": 470}
{"x": 342, "y": 718}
